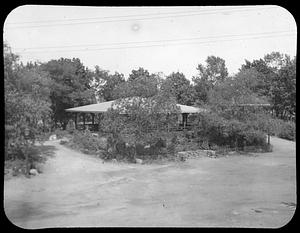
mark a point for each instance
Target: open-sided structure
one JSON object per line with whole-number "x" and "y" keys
{"x": 93, "y": 109}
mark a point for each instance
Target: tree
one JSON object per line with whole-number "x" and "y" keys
{"x": 72, "y": 86}
{"x": 138, "y": 74}
{"x": 213, "y": 73}
{"x": 140, "y": 83}
{"x": 141, "y": 121}
{"x": 27, "y": 103}
{"x": 215, "y": 70}
{"x": 283, "y": 92}
{"x": 180, "y": 87}
{"x": 201, "y": 87}
{"x": 276, "y": 80}
{"x": 105, "y": 83}
{"x": 227, "y": 97}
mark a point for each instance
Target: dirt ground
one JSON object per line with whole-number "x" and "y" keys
{"x": 77, "y": 190}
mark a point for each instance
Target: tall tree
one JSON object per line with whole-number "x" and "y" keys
{"x": 276, "y": 79}
{"x": 105, "y": 83}
{"x": 215, "y": 70}
{"x": 138, "y": 74}
{"x": 283, "y": 92}
{"x": 180, "y": 87}
{"x": 140, "y": 83}
{"x": 26, "y": 102}
{"x": 72, "y": 86}
{"x": 213, "y": 73}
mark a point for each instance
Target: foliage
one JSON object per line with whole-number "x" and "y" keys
{"x": 71, "y": 86}
{"x": 215, "y": 70}
{"x": 140, "y": 73}
{"x": 85, "y": 140}
{"x": 288, "y": 131}
{"x": 140, "y": 121}
{"x": 277, "y": 81}
{"x": 27, "y": 104}
{"x": 140, "y": 83}
{"x": 105, "y": 83}
{"x": 213, "y": 129}
{"x": 236, "y": 91}
{"x": 180, "y": 87}
{"x": 283, "y": 129}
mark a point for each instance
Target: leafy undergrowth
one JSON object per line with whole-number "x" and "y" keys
{"x": 37, "y": 157}
{"x": 160, "y": 151}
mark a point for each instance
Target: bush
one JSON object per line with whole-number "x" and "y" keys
{"x": 287, "y": 130}
{"x": 254, "y": 138}
{"x": 85, "y": 140}
{"x": 214, "y": 132}
{"x": 283, "y": 129}
{"x": 60, "y": 133}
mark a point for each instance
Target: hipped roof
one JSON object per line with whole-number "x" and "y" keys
{"x": 104, "y": 106}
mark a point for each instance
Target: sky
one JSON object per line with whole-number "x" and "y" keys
{"x": 159, "y": 39}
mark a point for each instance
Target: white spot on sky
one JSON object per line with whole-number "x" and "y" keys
{"x": 135, "y": 27}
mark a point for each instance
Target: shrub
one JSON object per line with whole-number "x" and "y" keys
{"x": 282, "y": 129}
{"x": 254, "y": 138}
{"x": 87, "y": 141}
{"x": 60, "y": 133}
{"x": 214, "y": 132}
{"x": 287, "y": 130}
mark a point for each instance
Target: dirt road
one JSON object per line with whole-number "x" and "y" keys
{"x": 79, "y": 190}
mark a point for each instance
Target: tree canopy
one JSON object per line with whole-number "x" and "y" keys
{"x": 71, "y": 87}
{"x": 180, "y": 87}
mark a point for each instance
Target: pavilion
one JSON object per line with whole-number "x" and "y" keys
{"x": 95, "y": 109}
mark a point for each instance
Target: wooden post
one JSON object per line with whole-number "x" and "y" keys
{"x": 84, "y": 120}
{"x": 93, "y": 118}
{"x": 184, "y": 119}
{"x": 75, "y": 116}
{"x": 27, "y": 160}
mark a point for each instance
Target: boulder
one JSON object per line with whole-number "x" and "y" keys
{"x": 139, "y": 161}
{"x": 211, "y": 153}
{"x": 37, "y": 166}
{"x": 110, "y": 150}
{"x": 114, "y": 160}
{"x": 33, "y": 172}
{"x": 147, "y": 146}
{"x": 182, "y": 156}
{"x": 53, "y": 137}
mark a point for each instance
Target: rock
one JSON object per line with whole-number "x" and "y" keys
{"x": 52, "y": 137}
{"x": 39, "y": 169}
{"x": 110, "y": 150}
{"x": 211, "y": 153}
{"x": 139, "y": 161}
{"x": 33, "y": 172}
{"x": 182, "y": 156}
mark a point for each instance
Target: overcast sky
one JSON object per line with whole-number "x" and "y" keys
{"x": 160, "y": 39}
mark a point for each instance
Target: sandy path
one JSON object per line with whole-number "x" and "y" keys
{"x": 79, "y": 190}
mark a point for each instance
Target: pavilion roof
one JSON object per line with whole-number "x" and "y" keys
{"x": 104, "y": 106}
